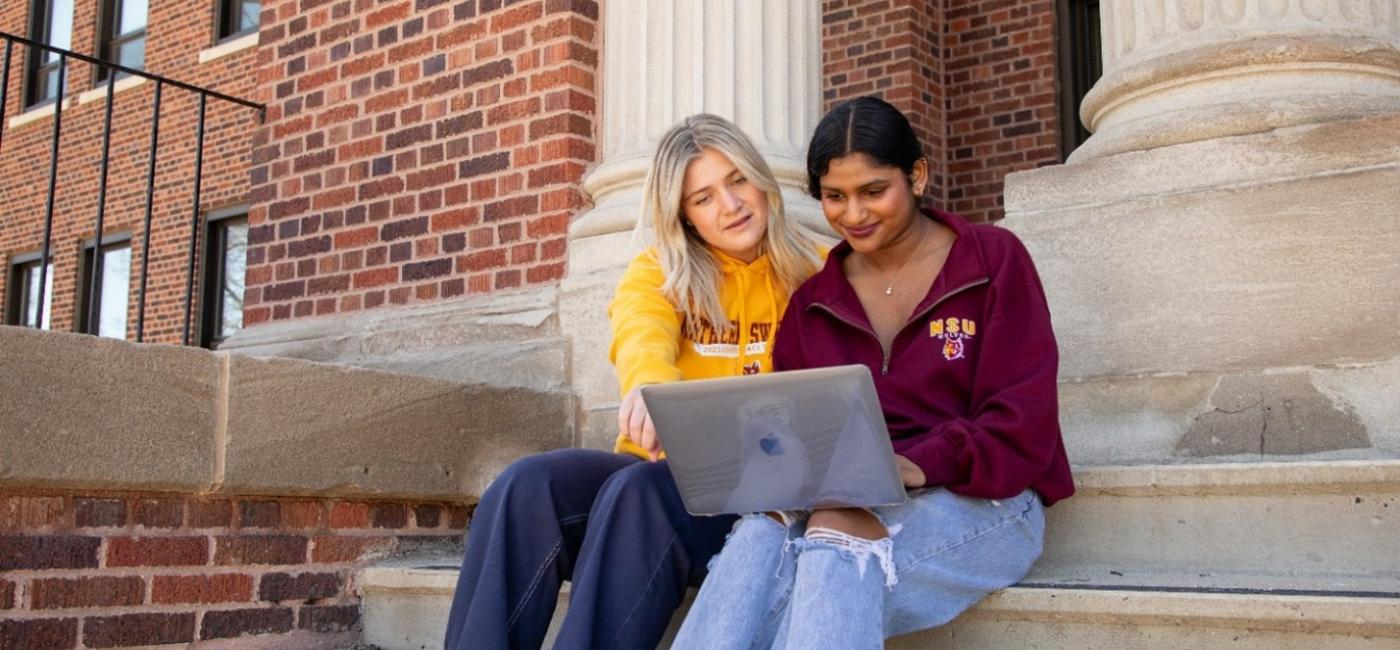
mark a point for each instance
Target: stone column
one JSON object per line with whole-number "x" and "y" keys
{"x": 757, "y": 63}
{"x": 1186, "y": 70}
{"x": 1221, "y": 256}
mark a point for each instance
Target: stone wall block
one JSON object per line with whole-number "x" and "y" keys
{"x": 81, "y": 411}
{"x": 368, "y": 432}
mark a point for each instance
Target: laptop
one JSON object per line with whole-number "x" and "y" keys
{"x": 796, "y": 440}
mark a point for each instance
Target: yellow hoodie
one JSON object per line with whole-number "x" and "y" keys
{"x": 650, "y": 344}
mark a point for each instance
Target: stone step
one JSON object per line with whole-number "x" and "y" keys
{"x": 1249, "y": 555}
{"x": 1317, "y": 518}
{"x": 405, "y": 607}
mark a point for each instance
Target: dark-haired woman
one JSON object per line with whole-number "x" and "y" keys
{"x": 952, "y": 322}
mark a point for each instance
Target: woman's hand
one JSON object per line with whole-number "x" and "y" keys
{"x": 634, "y": 422}
{"x": 910, "y": 473}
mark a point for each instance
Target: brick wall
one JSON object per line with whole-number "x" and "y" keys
{"x": 884, "y": 47}
{"x": 176, "y": 33}
{"x": 976, "y": 78}
{"x": 109, "y": 570}
{"x": 416, "y": 150}
{"x": 1002, "y": 104}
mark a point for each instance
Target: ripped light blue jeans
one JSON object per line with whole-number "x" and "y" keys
{"x": 777, "y": 586}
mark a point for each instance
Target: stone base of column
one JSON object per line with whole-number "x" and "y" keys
{"x": 1227, "y": 296}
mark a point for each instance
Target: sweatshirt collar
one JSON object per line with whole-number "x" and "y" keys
{"x": 964, "y": 266}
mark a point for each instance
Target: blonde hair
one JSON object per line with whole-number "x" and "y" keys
{"x": 692, "y": 271}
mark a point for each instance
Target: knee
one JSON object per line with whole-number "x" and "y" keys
{"x": 856, "y": 522}
{"x": 528, "y": 475}
{"x": 637, "y": 479}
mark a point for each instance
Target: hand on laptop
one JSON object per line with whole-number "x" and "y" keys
{"x": 634, "y": 421}
{"x": 910, "y": 473}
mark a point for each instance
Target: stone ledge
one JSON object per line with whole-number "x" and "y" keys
{"x": 97, "y": 414}
{"x": 86, "y": 412}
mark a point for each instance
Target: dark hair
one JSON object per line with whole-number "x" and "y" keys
{"x": 865, "y": 125}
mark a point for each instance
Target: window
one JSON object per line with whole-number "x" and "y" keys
{"x": 226, "y": 256}
{"x": 113, "y": 291}
{"x": 24, "y": 292}
{"x": 51, "y": 22}
{"x": 237, "y": 17}
{"x": 1081, "y": 64}
{"x": 122, "y": 38}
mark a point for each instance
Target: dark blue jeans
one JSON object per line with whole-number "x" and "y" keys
{"x": 614, "y": 525}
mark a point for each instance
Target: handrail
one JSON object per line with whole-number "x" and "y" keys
{"x": 197, "y": 217}
{"x": 133, "y": 71}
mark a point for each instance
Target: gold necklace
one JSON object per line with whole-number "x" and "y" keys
{"x": 889, "y": 290}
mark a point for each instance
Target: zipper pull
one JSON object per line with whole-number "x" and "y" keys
{"x": 885, "y": 367}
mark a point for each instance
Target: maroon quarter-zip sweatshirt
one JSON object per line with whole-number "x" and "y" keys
{"x": 968, "y": 387}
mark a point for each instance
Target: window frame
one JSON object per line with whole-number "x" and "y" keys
{"x": 211, "y": 304}
{"x": 17, "y": 299}
{"x": 223, "y": 13}
{"x": 1074, "y": 67}
{"x": 40, "y": 23}
{"x": 109, "y": 42}
{"x": 85, "y": 322}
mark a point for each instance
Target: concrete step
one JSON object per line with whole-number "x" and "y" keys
{"x": 1244, "y": 555}
{"x": 1310, "y": 518}
{"x": 405, "y": 608}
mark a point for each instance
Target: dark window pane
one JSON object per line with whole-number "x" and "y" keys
{"x": 235, "y": 264}
{"x": 30, "y": 307}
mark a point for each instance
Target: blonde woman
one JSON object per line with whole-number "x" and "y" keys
{"x": 703, "y": 302}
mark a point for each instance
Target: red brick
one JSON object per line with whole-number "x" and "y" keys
{"x": 357, "y": 237}
{"x": 157, "y": 551}
{"x": 387, "y": 15}
{"x": 459, "y": 515}
{"x": 303, "y": 514}
{"x": 454, "y": 219}
{"x": 508, "y": 20}
{"x": 137, "y": 629}
{"x": 158, "y": 513}
{"x": 226, "y": 624}
{"x": 427, "y": 516}
{"x": 279, "y": 587}
{"x": 348, "y": 549}
{"x": 37, "y": 633}
{"x": 7, "y": 594}
{"x": 102, "y": 591}
{"x": 545, "y": 273}
{"x": 96, "y": 513}
{"x": 48, "y": 552}
{"x": 388, "y": 515}
{"x": 374, "y": 278}
{"x": 346, "y": 514}
{"x": 482, "y": 260}
{"x": 328, "y": 618}
{"x": 29, "y": 514}
{"x": 259, "y": 549}
{"x": 217, "y": 588}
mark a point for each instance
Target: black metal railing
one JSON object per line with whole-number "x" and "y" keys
{"x": 110, "y": 71}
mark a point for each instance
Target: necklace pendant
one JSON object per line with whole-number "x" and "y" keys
{"x": 889, "y": 291}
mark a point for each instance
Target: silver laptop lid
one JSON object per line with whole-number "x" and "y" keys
{"x": 780, "y": 441}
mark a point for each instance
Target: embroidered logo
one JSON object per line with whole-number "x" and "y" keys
{"x": 954, "y": 333}
{"x": 752, "y": 368}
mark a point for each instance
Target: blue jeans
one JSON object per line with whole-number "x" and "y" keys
{"x": 788, "y": 587}
{"x": 612, "y": 524}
